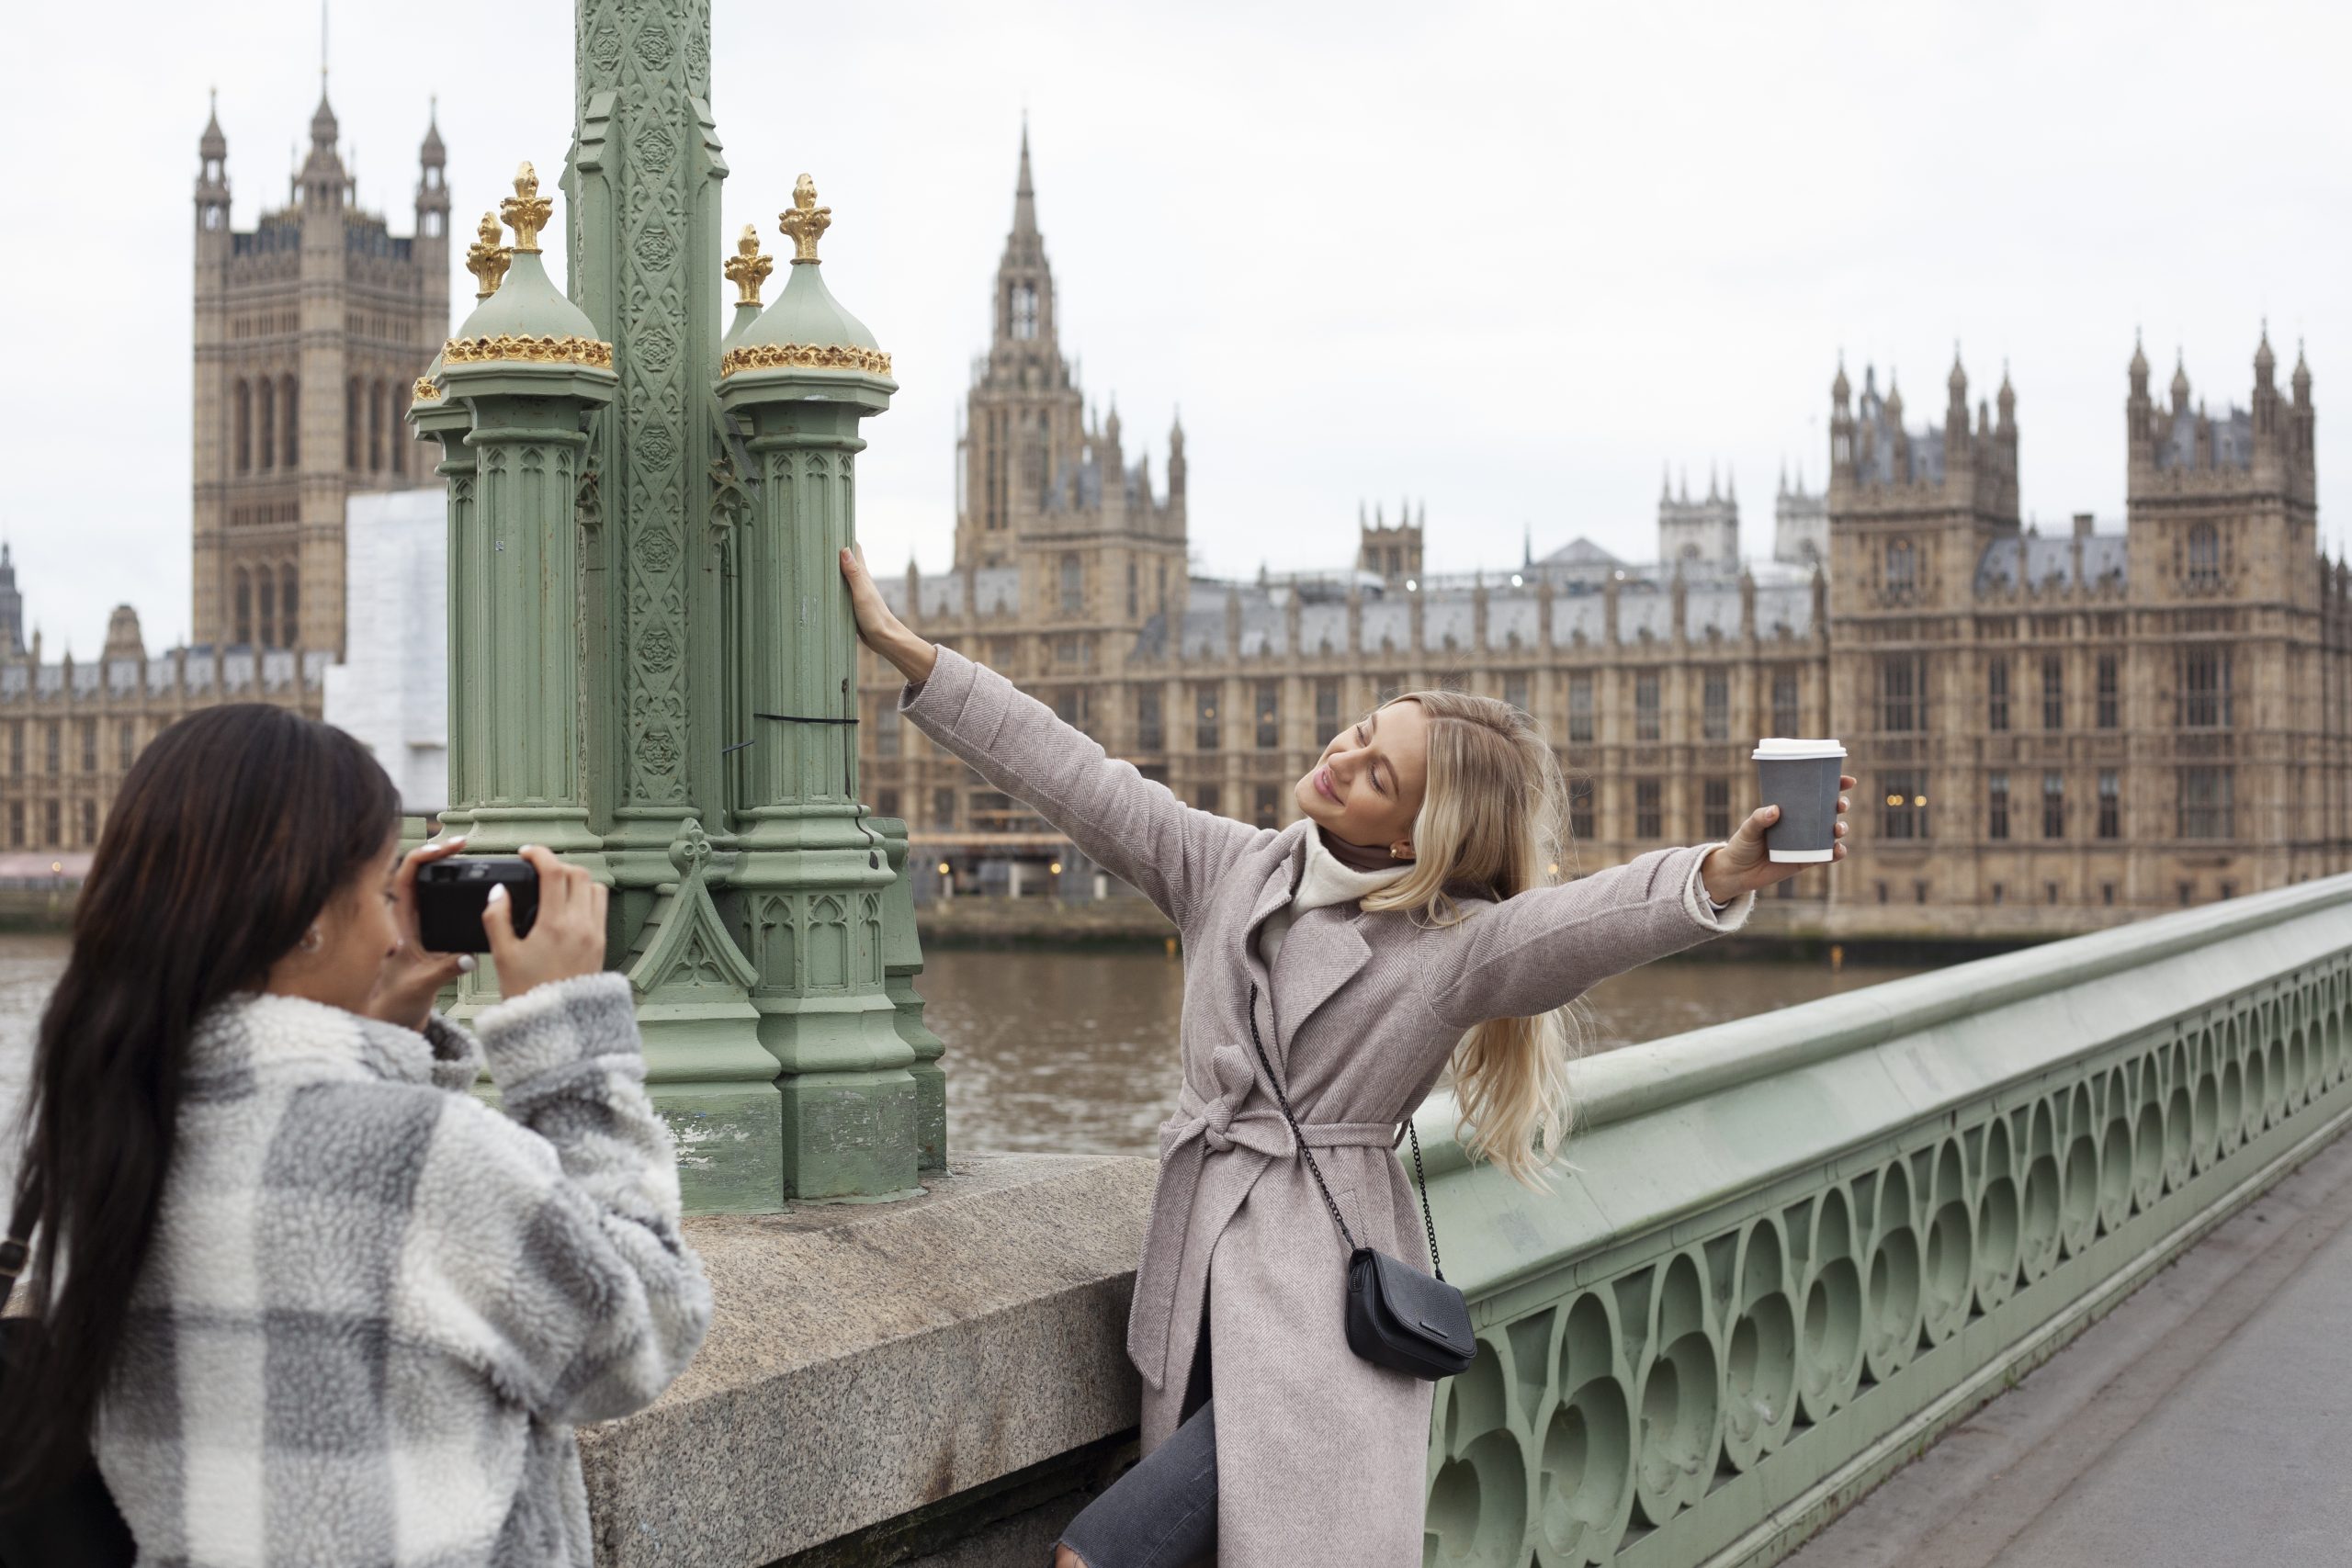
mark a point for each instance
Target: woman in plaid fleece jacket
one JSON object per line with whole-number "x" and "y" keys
{"x": 367, "y": 1308}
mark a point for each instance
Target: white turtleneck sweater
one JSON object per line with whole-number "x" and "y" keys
{"x": 1327, "y": 881}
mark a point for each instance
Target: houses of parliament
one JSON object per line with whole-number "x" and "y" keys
{"x": 2053, "y": 731}
{"x": 309, "y": 333}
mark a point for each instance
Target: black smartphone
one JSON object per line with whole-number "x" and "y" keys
{"x": 450, "y": 894}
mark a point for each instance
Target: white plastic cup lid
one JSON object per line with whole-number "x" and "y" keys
{"x": 1788, "y": 751}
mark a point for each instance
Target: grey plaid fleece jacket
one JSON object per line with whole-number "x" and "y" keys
{"x": 374, "y": 1306}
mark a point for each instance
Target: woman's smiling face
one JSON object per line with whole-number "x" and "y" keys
{"x": 1366, "y": 787}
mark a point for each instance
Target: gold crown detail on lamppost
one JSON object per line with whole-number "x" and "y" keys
{"x": 805, "y": 221}
{"x": 747, "y": 268}
{"x": 487, "y": 259}
{"x": 526, "y": 211}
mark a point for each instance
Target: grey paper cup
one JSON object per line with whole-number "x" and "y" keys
{"x": 1801, "y": 778}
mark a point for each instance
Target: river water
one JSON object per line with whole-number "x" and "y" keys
{"x": 1074, "y": 1050}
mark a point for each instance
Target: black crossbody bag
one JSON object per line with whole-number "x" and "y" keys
{"x": 1398, "y": 1316}
{"x": 76, "y": 1526}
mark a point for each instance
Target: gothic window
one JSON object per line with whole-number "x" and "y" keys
{"x": 1996, "y": 806}
{"x": 376, "y": 428}
{"x": 289, "y": 413}
{"x": 2053, "y": 804}
{"x": 1515, "y": 689}
{"x": 1204, "y": 736}
{"x": 1269, "y": 716}
{"x": 1131, "y": 590}
{"x": 2053, "y": 691}
{"x": 1073, "y": 584}
{"x": 1646, "y": 725}
{"x": 1648, "y": 815}
{"x": 2204, "y": 803}
{"x": 2204, "y": 554}
{"x": 54, "y": 747}
{"x": 351, "y": 401}
{"x": 51, "y": 833}
{"x": 1148, "y": 733}
{"x": 1903, "y": 694}
{"x": 1211, "y": 798}
{"x": 1997, "y": 695}
{"x": 1268, "y": 809}
{"x": 1717, "y": 810}
{"x": 1326, "y": 708}
{"x": 16, "y": 748}
{"x": 942, "y": 808}
{"x": 396, "y": 406}
{"x": 2204, "y": 700}
{"x": 1580, "y": 707}
{"x": 1716, "y": 705}
{"x": 16, "y": 824}
{"x": 245, "y": 423}
{"x": 2110, "y": 695}
{"x": 89, "y": 822}
{"x": 287, "y": 625}
{"x": 126, "y": 742}
{"x": 266, "y": 415}
{"x": 1024, "y": 310}
{"x": 265, "y": 589}
{"x": 1784, "y": 702}
{"x": 88, "y": 729}
{"x": 2110, "y": 803}
{"x": 1901, "y": 567}
{"x": 1581, "y": 808}
{"x": 244, "y": 637}
{"x": 1903, "y": 814}
{"x": 886, "y": 728}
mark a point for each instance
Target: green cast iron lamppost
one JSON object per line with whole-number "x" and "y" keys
{"x": 650, "y": 651}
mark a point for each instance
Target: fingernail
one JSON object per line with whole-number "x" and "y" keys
{"x": 465, "y": 961}
{"x": 497, "y": 895}
{"x": 527, "y": 849}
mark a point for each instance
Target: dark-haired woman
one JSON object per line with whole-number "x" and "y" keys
{"x": 311, "y": 1302}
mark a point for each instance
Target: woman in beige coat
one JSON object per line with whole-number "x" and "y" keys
{"x": 1405, "y": 923}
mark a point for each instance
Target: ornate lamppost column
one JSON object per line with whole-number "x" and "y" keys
{"x": 523, "y": 375}
{"x": 812, "y": 871}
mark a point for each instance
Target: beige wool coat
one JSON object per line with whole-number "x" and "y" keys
{"x": 1320, "y": 1455}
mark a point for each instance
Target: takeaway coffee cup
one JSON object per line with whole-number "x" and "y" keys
{"x": 1801, "y": 778}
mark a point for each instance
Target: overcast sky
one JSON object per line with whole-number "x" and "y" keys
{"x": 1510, "y": 260}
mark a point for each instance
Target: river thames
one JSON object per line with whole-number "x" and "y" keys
{"x": 1074, "y": 1050}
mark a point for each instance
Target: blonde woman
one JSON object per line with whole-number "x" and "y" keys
{"x": 1405, "y": 924}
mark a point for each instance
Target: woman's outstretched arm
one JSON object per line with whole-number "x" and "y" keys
{"x": 1130, "y": 826}
{"x": 1545, "y": 948}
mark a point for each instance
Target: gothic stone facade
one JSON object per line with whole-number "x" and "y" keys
{"x": 310, "y": 333}
{"x": 2053, "y": 733}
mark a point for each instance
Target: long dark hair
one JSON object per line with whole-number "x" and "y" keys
{"x": 231, "y": 834}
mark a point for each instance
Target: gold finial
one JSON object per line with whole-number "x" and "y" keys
{"x": 487, "y": 259}
{"x": 805, "y": 221}
{"x": 747, "y": 269}
{"x": 526, "y": 211}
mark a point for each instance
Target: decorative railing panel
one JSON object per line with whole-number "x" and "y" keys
{"x": 1796, "y": 1247}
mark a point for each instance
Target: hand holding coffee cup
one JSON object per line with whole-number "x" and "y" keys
{"x": 1772, "y": 844}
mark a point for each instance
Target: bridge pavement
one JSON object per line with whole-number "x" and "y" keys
{"x": 2202, "y": 1422}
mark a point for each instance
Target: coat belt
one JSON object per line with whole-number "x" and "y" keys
{"x": 1202, "y": 1129}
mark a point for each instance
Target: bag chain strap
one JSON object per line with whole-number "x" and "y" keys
{"x": 1316, "y": 1171}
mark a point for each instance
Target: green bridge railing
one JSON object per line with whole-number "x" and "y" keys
{"x": 1796, "y": 1247}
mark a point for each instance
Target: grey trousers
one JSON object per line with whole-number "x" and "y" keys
{"x": 1162, "y": 1513}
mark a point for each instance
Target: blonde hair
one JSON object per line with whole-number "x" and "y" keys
{"x": 1493, "y": 818}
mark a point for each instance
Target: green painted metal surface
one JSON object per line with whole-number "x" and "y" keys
{"x": 635, "y": 573}
{"x": 1794, "y": 1248}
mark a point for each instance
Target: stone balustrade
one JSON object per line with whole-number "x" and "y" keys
{"x": 1797, "y": 1246}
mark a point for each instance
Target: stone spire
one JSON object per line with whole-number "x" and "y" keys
{"x": 2179, "y": 383}
{"x": 212, "y": 144}
{"x": 1024, "y": 194}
